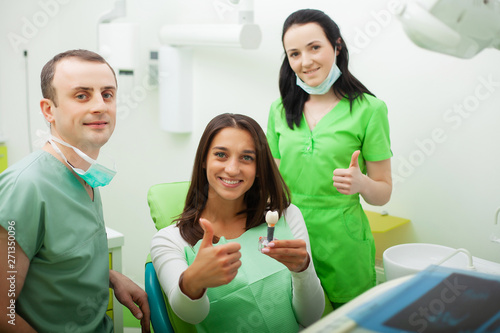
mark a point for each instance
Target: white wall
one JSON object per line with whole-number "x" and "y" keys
{"x": 445, "y": 182}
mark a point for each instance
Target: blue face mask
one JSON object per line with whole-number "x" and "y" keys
{"x": 96, "y": 175}
{"x": 324, "y": 86}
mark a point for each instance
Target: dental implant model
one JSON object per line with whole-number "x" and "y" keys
{"x": 272, "y": 218}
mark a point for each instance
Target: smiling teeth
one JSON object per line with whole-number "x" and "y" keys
{"x": 230, "y": 182}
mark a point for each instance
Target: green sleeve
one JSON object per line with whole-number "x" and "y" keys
{"x": 21, "y": 208}
{"x": 272, "y": 135}
{"x": 377, "y": 143}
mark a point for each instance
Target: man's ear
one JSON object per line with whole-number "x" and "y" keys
{"x": 46, "y": 106}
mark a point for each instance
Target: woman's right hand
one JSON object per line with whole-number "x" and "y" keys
{"x": 213, "y": 266}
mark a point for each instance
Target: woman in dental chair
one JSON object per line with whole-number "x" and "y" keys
{"x": 209, "y": 263}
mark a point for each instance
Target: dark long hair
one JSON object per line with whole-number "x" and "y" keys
{"x": 268, "y": 192}
{"x": 293, "y": 96}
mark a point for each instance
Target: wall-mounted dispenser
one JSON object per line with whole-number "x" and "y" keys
{"x": 175, "y": 61}
{"x": 176, "y": 88}
{"x": 118, "y": 43}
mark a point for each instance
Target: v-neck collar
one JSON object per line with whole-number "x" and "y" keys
{"x": 328, "y": 114}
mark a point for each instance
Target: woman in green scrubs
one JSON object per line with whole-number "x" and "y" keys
{"x": 330, "y": 137}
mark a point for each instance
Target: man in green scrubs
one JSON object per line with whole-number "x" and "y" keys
{"x": 55, "y": 274}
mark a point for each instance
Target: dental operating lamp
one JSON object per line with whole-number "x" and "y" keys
{"x": 176, "y": 61}
{"x": 460, "y": 28}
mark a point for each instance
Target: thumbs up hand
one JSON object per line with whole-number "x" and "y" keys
{"x": 208, "y": 235}
{"x": 213, "y": 266}
{"x": 349, "y": 181}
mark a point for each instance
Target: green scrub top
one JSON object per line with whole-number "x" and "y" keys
{"x": 342, "y": 245}
{"x": 62, "y": 232}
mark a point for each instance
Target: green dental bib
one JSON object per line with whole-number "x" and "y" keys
{"x": 259, "y": 299}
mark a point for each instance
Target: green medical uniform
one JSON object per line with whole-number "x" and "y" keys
{"x": 259, "y": 298}
{"x": 342, "y": 245}
{"x": 62, "y": 232}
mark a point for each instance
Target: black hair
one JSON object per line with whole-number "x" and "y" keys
{"x": 294, "y": 97}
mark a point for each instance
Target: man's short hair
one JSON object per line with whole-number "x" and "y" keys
{"x": 48, "y": 71}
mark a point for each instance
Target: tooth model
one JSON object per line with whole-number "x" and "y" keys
{"x": 271, "y": 220}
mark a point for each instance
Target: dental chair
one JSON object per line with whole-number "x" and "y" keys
{"x": 166, "y": 202}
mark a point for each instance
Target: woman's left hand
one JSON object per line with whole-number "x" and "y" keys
{"x": 292, "y": 253}
{"x": 349, "y": 181}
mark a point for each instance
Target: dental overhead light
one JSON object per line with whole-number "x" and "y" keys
{"x": 176, "y": 61}
{"x": 461, "y": 28}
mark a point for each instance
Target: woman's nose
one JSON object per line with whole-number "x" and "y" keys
{"x": 232, "y": 167}
{"x": 306, "y": 60}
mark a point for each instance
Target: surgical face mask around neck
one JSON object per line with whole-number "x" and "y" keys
{"x": 324, "y": 86}
{"x": 96, "y": 175}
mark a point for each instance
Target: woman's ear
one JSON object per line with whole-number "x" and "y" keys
{"x": 46, "y": 106}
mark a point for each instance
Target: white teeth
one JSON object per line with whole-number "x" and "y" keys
{"x": 230, "y": 182}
